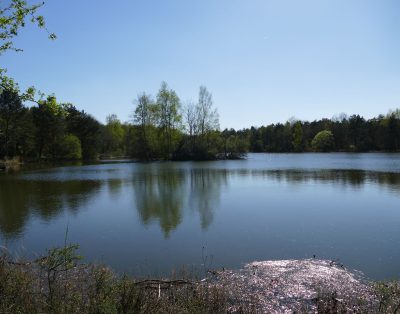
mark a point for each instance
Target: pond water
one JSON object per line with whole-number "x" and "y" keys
{"x": 151, "y": 218}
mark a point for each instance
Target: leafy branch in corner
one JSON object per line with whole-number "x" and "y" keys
{"x": 14, "y": 15}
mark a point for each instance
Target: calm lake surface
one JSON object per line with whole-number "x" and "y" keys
{"x": 155, "y": 217}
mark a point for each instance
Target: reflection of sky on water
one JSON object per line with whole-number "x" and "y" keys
{"x": 160, "y": 215}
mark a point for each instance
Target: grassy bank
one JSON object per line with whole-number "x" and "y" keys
{"x": 59, "y": 283}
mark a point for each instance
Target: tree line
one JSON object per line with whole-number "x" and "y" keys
{"x": 162, "y": 128}
{"x": 342, "y": 133}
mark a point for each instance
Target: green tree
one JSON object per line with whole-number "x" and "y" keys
{"x": 49, "y": 119}
{"x": 25, "y": 135}
{"x": 169, "y": 119}
{"x": 86, "y": 128}
{"x": 358, "y": 133}
{"x": 191, "y": 126}
{"x": 71, "y": 147}
{"x": 11, "y": 112}
{"x": 323, "y": 141}
{"x": 255, "y": 139}
{"x": 207, "y": 116}
{"x": 236, "y": 146}
{"x": 144, "y": 117}
{"x": 202, "y": 126}
{"x": 392, "y": 126}
{"x": 297, "y": 137}
{"x": 113, "y": 136}
{"x": 207, "y": 119}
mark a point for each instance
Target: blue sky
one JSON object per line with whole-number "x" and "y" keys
{"x": 264, "y": 61}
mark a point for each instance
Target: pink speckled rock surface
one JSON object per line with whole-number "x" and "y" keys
{"x": 288, "y": 286}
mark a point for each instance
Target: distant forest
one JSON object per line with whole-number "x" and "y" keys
{"x": 162, "y": 128}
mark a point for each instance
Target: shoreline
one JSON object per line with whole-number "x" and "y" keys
{"x": 52, "y": 283}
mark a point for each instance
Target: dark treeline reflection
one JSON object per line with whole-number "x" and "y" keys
{"x": 161, "y": 194}
{"x": 164, "y": 195}
{"x": 46, "y": 199}
{"x": 355, "y": 178}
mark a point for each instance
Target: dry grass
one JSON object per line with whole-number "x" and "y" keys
{"x": 57, "y": 283}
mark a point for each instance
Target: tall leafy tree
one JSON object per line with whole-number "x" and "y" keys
{"x": 169, "y": 118}
{"x": 145, "y": 118}
{"x": 358, "y": 133}
{"x": 49, "y": 119}
{"x": 202, "y": 125}
{"x": 392, "y": 138}
{"x": 207, "y": 116}
{"x": 190, "y": 120}
{"x": 11, "y": 112}
{"x": 297, "y": 137}
{"x": 113, "y": 135}
{"x": 86, "y": 128}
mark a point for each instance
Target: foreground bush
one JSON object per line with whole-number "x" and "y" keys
{"x": 57, "y": 283}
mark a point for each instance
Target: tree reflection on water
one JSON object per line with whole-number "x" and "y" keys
{"x": 162, "y": 192}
